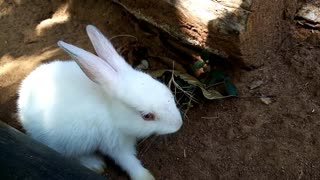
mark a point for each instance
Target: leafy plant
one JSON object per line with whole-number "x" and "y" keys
{"x": 212, "y": 82}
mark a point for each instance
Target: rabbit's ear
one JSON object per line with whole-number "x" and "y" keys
{"x": 94, "y": 67}
{"x": 105, "y": 50}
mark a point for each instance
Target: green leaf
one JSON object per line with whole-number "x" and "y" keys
{"x": 197, "y": 65}
{"x": 209, "y": 94}
{"x": 230, "y": 87}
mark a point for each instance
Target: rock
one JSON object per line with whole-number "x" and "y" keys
{"x": 255, "y": 84}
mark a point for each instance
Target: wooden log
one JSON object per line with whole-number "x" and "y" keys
{"x": 309, "y": 15}
{"x": 23, "y": 158}
{"x": 241, "y": 29}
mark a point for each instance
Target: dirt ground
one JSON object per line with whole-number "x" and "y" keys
{"x": 236, "y": 138}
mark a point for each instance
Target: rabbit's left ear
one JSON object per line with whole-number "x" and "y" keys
{"x": 93, "y": 66}
{"x": 105, "y": 50}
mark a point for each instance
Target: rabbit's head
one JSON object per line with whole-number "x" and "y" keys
{"x": 141, "y": 105}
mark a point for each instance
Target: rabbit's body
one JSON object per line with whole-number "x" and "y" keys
{"x": 59, "y": 131}
{"x": 96, "y": 103}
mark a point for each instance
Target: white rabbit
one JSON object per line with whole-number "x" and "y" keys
{"x": 96, "y": 103}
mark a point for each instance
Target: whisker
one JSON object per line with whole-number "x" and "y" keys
{"x": 142, "y": 141}
{"x": 146, "y": 149}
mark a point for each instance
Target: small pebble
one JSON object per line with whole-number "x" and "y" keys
{"x": 266, "y": 100}
{"x": 255, "y": 84}
{"x": 143, "y": 65}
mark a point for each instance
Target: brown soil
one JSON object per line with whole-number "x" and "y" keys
{"x": 238, "y": 138}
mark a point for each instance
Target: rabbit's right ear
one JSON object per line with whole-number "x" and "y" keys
{"x": 94, "y": 67}
{"x": 105, "y": 50}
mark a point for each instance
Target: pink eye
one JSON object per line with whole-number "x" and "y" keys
{"x": 148, "y": 117}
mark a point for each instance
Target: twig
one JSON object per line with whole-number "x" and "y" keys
{"x": 214, "y": 84}
{"x": 123, "y": 35}
{"x": 248, "y": 97}
{"x": 209, "y": 117}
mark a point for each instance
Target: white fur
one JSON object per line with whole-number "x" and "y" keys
{"x": 78, "y": 111}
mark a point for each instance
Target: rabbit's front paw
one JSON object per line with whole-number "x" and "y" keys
{"x": 143, "y": 175}
{"x": 93, "y": 162}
